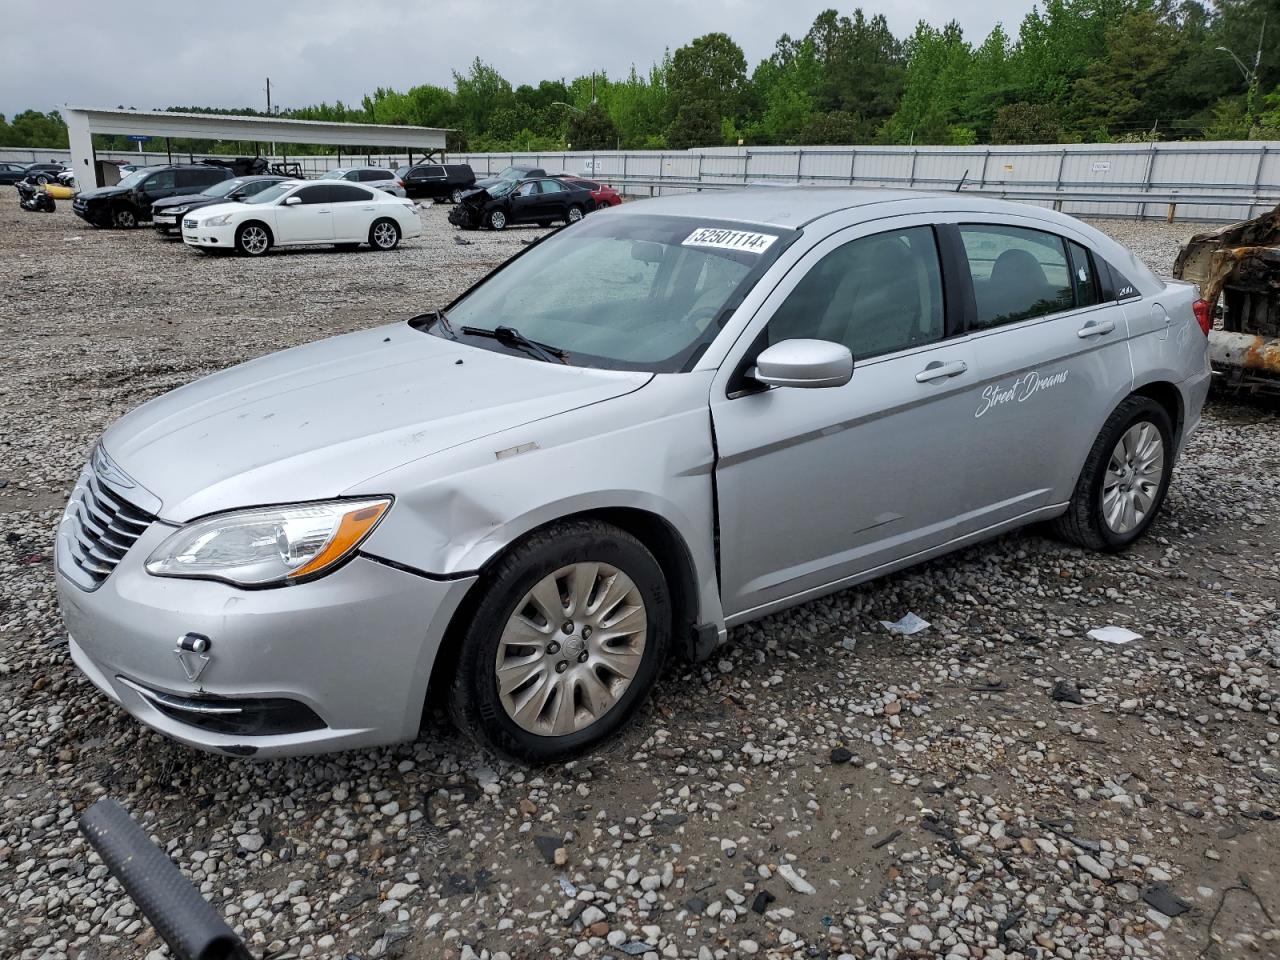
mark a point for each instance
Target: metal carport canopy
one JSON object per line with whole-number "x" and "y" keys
{"x": 83, "y": 122}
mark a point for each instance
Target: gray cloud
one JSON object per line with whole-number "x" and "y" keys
{"x": 148, "y": 54}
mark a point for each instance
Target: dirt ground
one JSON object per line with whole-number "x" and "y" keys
{"x": 942, "y": 794}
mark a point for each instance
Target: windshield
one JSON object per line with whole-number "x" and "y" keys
{"x": 133, "y": 179}
{"x": 272, "y": 193}
{"x": 625, "y": 293}
{"x": 501, "y": 188}
{"x": 401, "y": 171}
{"x": 222, "y": 189}
{"x": 337, "y": 174}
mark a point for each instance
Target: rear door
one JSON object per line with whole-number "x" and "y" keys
{"x": 554, "y": 203}
{"x": 820, "y": 486}
{"x": 310, "y": 221}
{"x": 354, "y": 209}
{"x": 1053, "y": 359}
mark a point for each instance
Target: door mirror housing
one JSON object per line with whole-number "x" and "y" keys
{"x": 292, "y": 201}
{"x": 804, "y": 363}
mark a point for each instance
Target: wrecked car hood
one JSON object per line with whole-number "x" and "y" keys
{"x": 312, "y": 422}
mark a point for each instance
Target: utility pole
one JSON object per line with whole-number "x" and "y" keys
{"x": 1253, "y": 83}
{"x": 273, "y": 143}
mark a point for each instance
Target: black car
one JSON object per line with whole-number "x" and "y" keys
{"x": 513, "y": 173}
{"x": 438, "y": 181}
{"x": 129, "y": 202}
{"x": 541, "y": 201}
{"x": 166, "y": 214}
{"x": 12, "y": 172}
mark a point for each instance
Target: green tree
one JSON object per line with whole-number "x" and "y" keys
{"x": 937, "y": 75}
{"x": 593, "y": 129}
{"x": 1026, "y": 123}
{"x": 697, "y": 124}
{"x": 710, "y": 72}
{"x": 479, "y": 94}
{"x": 1140, "y": 55}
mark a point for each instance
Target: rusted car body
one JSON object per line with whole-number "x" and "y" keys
{"x": 1238, "y": 270}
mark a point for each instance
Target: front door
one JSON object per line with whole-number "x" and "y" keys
{"x": 310, "y": 221}
{"x": 1053, "y": 361}
{"x": 525, "y": 202}
{"x": 820, "y": 486}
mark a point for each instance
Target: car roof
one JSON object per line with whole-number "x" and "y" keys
{"x": 791, "y": 207}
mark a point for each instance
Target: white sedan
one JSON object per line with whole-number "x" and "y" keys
{"x": 298, "y": 213}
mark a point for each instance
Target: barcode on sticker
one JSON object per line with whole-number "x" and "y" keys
{"x": 730, "y": 239}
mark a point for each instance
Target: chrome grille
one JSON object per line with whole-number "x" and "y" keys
{"x": 101, "y": 526}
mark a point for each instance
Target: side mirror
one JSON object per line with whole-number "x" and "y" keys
{"x": 804, "y": 363}
{"x": 292, "y": 201}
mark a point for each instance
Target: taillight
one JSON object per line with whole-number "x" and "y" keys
{"x": 1204, "y": 315}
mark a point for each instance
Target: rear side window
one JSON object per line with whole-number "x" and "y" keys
{"x": 347, "y": 193}
{"x": 376, "y": 175}
{"x": 876, "y": 295}
{"x": 1017, "y": 273}
{"x": 316, "y": 194}
{"x": 1083, "y": 281}
{"x": 552, "y": 186}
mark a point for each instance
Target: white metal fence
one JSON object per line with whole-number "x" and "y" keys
{"x": 1223, "y": 180}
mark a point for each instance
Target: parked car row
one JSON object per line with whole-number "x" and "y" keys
{"x": 42, "y": 173}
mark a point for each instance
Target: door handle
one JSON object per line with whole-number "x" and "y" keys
{"x": 941, "y": 371}
{"x": 1095, "y": 328}
{"x": 371, "y": 208}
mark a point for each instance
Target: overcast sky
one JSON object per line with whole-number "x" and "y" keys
{"x": 101, "y": 53}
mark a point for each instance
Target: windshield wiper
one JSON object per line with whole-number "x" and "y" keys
{"x": 434, "y": 318}
{"x": 511, "y": 337}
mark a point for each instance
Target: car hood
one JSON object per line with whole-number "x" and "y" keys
{"x": 476, "y": 197}
{"x": 312, "y": 422}
{"x": 99, "y": 193}
{"x": 190, "y": 199}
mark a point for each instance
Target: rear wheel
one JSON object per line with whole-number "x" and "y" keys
{"x": 575, "y": 214}
{"x": 457, "y": 196}
{"x": 497, "y": 220}
{"x": 384, "y": 235}
{"x": 253, "y": 239}
{"x": 565, "y": 643}
{"x": 124, "y": 218}
{"x": 1124, "y": 480}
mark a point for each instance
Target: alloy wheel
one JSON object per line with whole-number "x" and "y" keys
{"x": 254, "y": 240}
{"x": 571, "y": 648}
{"x": 1134, "y": 474}
{"x": 384, "y": 235}
{"x": 575, "y": 214}
{"x": 126, "y": 219}
{"x": 497, "y": 219}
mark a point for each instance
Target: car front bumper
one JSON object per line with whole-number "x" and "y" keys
{"x": 164, "y": 222}
{"x": 223, "y": 237}
{"x": 348, "y": 655}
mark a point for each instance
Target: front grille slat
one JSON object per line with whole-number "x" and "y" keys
{"x": 103, "y": 527}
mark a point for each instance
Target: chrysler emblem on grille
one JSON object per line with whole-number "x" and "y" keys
{"x": 105, "y": 468}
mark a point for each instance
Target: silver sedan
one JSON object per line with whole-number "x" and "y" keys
{"x": 643, "y": 430}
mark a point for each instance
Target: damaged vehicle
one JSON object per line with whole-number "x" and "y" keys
{"x": 639, "y": 432}
{"x": 1238, "y": 270}
{"x": 542, "y": 201}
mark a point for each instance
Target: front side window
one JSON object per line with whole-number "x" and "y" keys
{"x": 1017, "y": 273}
{"x": 164, "y": 180}
{"x": 639, "y": 293}
{"x": 876, "y": 295}
{"x": 527, "y": 189}
{"x": 310, "y": 195}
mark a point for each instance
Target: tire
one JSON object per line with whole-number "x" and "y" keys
{"x": 253, "y": 239}
{"x": 524, "y": 721}
{"x": 384, "y": 234}
{"x": 1121, "y": 487}
{"x": 456, "y": 196}
{"x": 42, "y": 179}
{"x": 574, "y": 215}
{"x": 497, "y": 220}
{"x": 124, "y": 218}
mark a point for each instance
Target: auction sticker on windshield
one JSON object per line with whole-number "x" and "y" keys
{"x": 730, "y": 239}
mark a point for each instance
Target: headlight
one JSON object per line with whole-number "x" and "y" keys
{"x": 221, "y": 221}
{"x": 179, "y": 209}
{"x": 271, "y": 545}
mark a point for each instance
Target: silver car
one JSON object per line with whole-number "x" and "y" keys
{"x": 379, "y": 178}
{"x": 644, "y": 429}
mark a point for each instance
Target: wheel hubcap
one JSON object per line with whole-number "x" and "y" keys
{"x": 254, "y": 240}
{"x": 575, "y": 215}
{"x": 384, "y": 234}
{"x": 571, "y": 649}
{"x": 499, "y": 220}
{"x": 1133, "y": 477}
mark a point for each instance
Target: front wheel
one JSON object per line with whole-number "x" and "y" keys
{"x": 566, "y": 641}
{"x": 1124, "y": 480}
{"x": 253, "y": 240}
{"x": 125, "y": 218}
{"x": 497, "y": 220}
{"x": 575, "y": 214}
{"x": 384, "y": 235}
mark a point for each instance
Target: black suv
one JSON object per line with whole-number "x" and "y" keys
{"x": 438, "y": 181}
{"x": 128, "y": 203}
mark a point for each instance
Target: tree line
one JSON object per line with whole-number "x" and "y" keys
{"x": 1076, "y": 71}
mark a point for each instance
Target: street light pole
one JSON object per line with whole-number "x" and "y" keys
{"x": 1250, "y": 76}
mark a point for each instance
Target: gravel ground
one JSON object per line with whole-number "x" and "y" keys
{"x": 997, "y": 786}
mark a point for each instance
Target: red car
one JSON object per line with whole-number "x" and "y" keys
{"x": 602, "y": 195}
